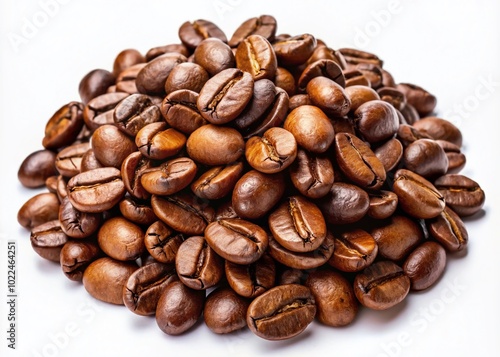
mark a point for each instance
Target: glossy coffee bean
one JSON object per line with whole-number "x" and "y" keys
{"x": 321, "y": 68}
{"x": 264, "y": 25}
{"x": 449, "y": 230}
{"x": 312, "y": 175}
{"x": 89, "y": 161}
{"x": 353, "y": 77}
{"x": 354, "y": 250}
{"x": 294, "y": 50}
{"x": 76, "y": 256}
{"x": 281, "y": 312}
{"x": 440, "y": 129}
{"x": 353, "y": 56}
{"x": 334, "y": 297}
{"x": 426, "y": 158}
{"x": 162, "y": 242}
{"x": 126, "y": 80}
{"x": 214, "y": 56}
{"x": 423, "y": 101}
{"x": 192, "y": 33}
{"x": 285, "y": 80}
{"x": 456, "y": 159}
{"x": 105, "y": 278}
{"x": 154, "y": 52}
{"x": 36, "y": 168}
{"x": 372, "y": 72}
{"x": 152, "y": 77}
{"x": 407, "y": 134}
{"x": 121, "y": 239}
{"x": 329, "y": 96}
{"x": 299, "y": 99}
{"x": 135, "y": 112}
{"x": 251, "y": 280}
{"x": 95, "y": 83}
{"x": 111, "y": 146}
{"x": 39, "y": 209}
{"x": 225, "y": 311}
{"x": 132, "y": 169}
{"x": 389, "y": 153}
{"x": 425, "y": 265}
{"x": 376, "y": 121}
{"x": 47, "y": 240}
{"x": 99, "y": 111}
{"x": 126, "y": 59}
{"x": 77, "y": 224}
{"x": 392, "y": 96}
{"x": 63, "y": 127}
{"x": 217, "y": 182}
{"x": 264, "y": 93}
{"x": 410, "y": 114}
{"x": 345, "y": 203}
{"x": 136, "y": 211}
{"x": 462, "y": 194}
{"x": 186, "y": 76}
{"x": 68, "y": 160}
{"x": 382, "y": 204}
{"x": 381, "y": 286}
{"x": 180, "y": 111}
{"x": 359, "y": 95}
{"x": 256, "y": 56}
{"x": 156, "y": 142}
{"x": 170, "y": 177}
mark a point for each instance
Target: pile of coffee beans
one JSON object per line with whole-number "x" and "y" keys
{"x": 261, "y": 181}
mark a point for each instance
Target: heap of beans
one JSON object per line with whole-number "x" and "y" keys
{"x": 260, "y": 181}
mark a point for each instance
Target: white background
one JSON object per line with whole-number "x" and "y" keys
{"x": 449, "y": 47}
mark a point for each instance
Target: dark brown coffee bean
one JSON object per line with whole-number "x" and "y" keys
{"x": 410, "y": 114}
{"x": 355, "y": 78}
{"x": 392, "y": 96}
{"x": 423, "y": 101}
{"x": 68, "y": 160}
{"x": 39, "y": 209}
{"x": 225, "y": 95}
{"x": 217, "y": 182}
{"x": 237, "y": 240}
{"x": 312, "y": 175}
{"x": 256, "y": 56}
{"x": 156, "y": 142}
{"x": 111, "y": 146}
{"x": 425, "y": 265}
{"x": 183, "y": 212}
{"x": 135, "y": 112}
{"x": 76, "y": 256}
{"x": 417, "y": 196}
{"x": 187, "y": 76}
{"x": 225, "y": 210}
{"x": 439, "y": 129}
{"x": 397, "y": 237}
{"x": 372, "y": 72}
{"x": 291, "y": 276}
{"x": 311, "y": 128}
{"x": 204, "y": 145}
{"x": 99, "y": 111}
{"x": 462, "y": 194}
{"x": 322, "y": 52}
{"x": 376, "y": 121}
{"x": 145, "y": 286}
{"x": 162, "y": 242}
{"x": 51, "y": 184}
{"x": 456, "y": 159}
{"x": 334, "y": 297}
{"x": 170, "y": 177}
{"x": 105, "y": 278}
{"x": 264, "y": 25}
{"x": 36, "y": 168}
{"x": 95, "y": 83}
{"x": 344, "y": 204}
{"x": 47, "y": 240}
{"x": 449, "y": 230}
{"x": 358, "y": 162}
{"x": 359, "y": 95}
{"x": 426, "y": 158}
{"x": 96, "y": 190}
{"x": 382, "y": 204}
{"x": 329, "y": 96}
{"x": 251, "y": 280}
{"x": 126, "y": 59}
{"x": 161, "y": 50}
{"x": 225, "y": 311}
{"x": 298, "y": 225}
{"x": 121, "y": 239}
{"x": 387, "y": 79}
{"x": 264, "y": 93}
{"x": 281, "y": 312}
{"x": 273, "y": 152}
{"x": 214, "y": 56}
{"x": 381, "y": 286}
{"x": 307, "y": 260}
{"x": 197, "y": 265}
{"x": 322, "y": 68}
{"x": 132, "y": 169}
{"x": 180, "y": 111}
{"x": 285, "y": 80}
{"x": 354, "y": 250}
{"x": 192, "y": 33}
{"x": 179, "y": 307}
{"x": 89, "y": 161}
{"x": 152, "y": 77}
{"x": 125, "y": 81}
{"x": 64, "y": 126}
{"x": 389, "y": 153}
{"x": 137, "y": 212}
{"x": 77, "y": 224}
{"x": 353, "y": 56}
{"x": 62, "y": 189}
{"x": 294, "y": 50}
{"x": 407, "y": 134}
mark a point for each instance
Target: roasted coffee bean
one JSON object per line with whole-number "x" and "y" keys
{"x": 225, "y": 95}
{"x": 291, "y": 276}
{"x": 180, "y": 111}
{"x": 281, "y": 312}
{"x": 376, "y": 121}
{"x": 156, "y": 142}
{"x": 417, "y": 196}
{"x": 162, "y": 242}
{"x": 99, "y": 111}
{"x": 298, "y": 100}
{"x": 344, "y": 204}
{"x": 273, "y": 152}
{"x": 111, "y": 146}
{"x": 214, "y": 56}
{"x": 353, "y": 57}
{"x": 126, "y": 59}
{"x": 135, "y": 112}
{"x": 137, "y": 212}
{"x": 294, "y": 50}
{"x": 218, "y": 181}
{"x": 439, "y": 129}
{"x": 329, "y": 96}
{"x": 170, "y": 177}
{"x": 426, "y": 158}
{"x": 456, "y": 159}
{"x": 298, "y": 225}
{"x": 121, "y": 239}
{"x": 36, "y": 168}
{"x": 131, "y": 171}
{"x": 354, "y": 250}
{"x": 51, "y": 184}
{"x": 76, "y": 256}
{"x": 39, "y": 209}
{"x": 382, "y": 204}
{"x": 64, "y": 126}
{"x": 334, "y": 296}
{"x": 225, "y": 311}
{"x": 204, "y": 145}
{"x": 359, "y": 94}
{"x": 47, "y": 240}
{"x": 449, "y": 230}
{"x": 264, "y": 25}
{"x": 322, "y": 68}
{"x": 96, "y": 190}
{"x": 251, "y": 280}
{"x": 407, "y": 134}
{"x": 423, "y": 101}
{"x": 125, "y": 81}
{"x": 355, "y": 78}
{"x": 154, "y": 52}
{"x": 95, "y": 83}
{"x": 225, "y": 210}
{"x": 77, "y": 224}
{"x": 62, "y": 187}
{"x": 392, "y": 96}
{"x": 389, "y": 153}
{"x": 425, "y": 265}
{"x": 105, "y": 278}
{"x": 188, "y": 76}
{"x": 145, "y": 286}
{"x": 264, "y": 93}
{"x": 197, "y": 264}
{"x": 322, "y": 52}
{"x": 312, "y": 175}
{"x": 306, "y": 260}
{"x": 256, "y": 56}
{"x": 89, "y": 161}
{"x": 381, "y": 286}
{"x": 372, "y": 72}
{"x": 236, "y": 240}
{"x": 387, "y": 79}
{"x": 285, "y": 80}
{"x": 462, "y": 194}
{"x": 358, "y": 162}
{"x": 179, "y": 307}
{"x": 152, "y": 77}
{"x": 68, "y": 160}
{"x": 397, "y": 237}
{"x": 311, "y": 128}
{"x": 184, "y": 213}
{"x": 192, "y": 33}
{"x": 410, "y": 114}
